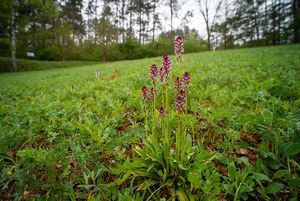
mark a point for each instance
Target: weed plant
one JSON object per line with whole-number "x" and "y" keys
{"x": 68, "y": 135}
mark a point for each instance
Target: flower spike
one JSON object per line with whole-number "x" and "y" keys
{"x": 186, "y": 79}
{"x": 178, "y": 46}
{"x": 180, "y": 102}
{"x": 144, "y": 93}
{"x": 153, "y": 73}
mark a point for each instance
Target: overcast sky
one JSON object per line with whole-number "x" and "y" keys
{"x": 195, "y": 22}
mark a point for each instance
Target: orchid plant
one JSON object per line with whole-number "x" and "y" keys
{"x": 167, "y": 158}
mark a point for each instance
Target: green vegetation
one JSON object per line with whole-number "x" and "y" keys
{"x": 104, "y": 30}
{"x": 67, "y": 135}
{"x": 30, "y": 65}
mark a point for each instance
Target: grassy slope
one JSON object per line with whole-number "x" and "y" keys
{"x": 276, "y": 56}
{"x": 255, "y": 91}
{"x": 29, "y": 65}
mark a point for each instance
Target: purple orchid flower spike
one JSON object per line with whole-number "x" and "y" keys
{"x": 166, "y": 63}
{"x": 153, "y": 73}
{"x": 162, "y": 112}
{"x": 180, "y": 102}
{"x": 164, "y": 71}
{"x": 151, "y": 94}
{"x": 162, "y": 74}
{"x": 186, "y": 79}
{"x": 178, "y": 46}
{"x": 144, "y": 93}
{"x": 177, "y": 85}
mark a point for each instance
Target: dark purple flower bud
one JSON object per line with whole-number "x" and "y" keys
{"x": 180, "y": 102}
{"x": 164, "y": 71}
{"x": 166, "y": 63}
{"x": 177, "y": 85}
{"x": 153, "y": 72}
{"x": 144, "y": 92}
{"x": 151, "y": 94}
{"x": 186, "y": 79}
{"x": 178, "y": 46}
{"x": 162, "y": 74}
{"x": 162, "y": 112}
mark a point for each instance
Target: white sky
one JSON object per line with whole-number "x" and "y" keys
{"x": 195, "y": 22}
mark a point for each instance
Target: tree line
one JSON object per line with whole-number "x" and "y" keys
{"x": 108, "y": 30}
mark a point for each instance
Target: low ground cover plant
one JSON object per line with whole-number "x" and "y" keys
{"x": 210, "y": 126}
{"x": 169, "y": 158}
{"x": 172, "y": 162}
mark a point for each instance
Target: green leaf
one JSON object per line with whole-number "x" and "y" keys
{"x": 243, "y": 160}
{"x": 165, "y": 174}
{"x": 272, "y": 163}
{"x": 195, "y": 178}
{"x": 274, "y": 187}
{"x": 140, "y": 151}
{"x": 280, "y": 174}
{"x": 292, "y": 149}
{"x": 151, "y": 167}
{"x": 261, "y": 177}
{"x": 182, "y": 195}
{"x": 232, "y": 170}
{"x": 294, "y": 181}
{"x": 170, "y": 182}
{"x": 146, "y": 184}
{"x": 188, "y": 144}
{"x": 141, "y": 173}
{"x": 122, "y": 179}
{"x": 228, "y": 188}
{"x": 182, "y": 167}
{"x": 246, "y": 189}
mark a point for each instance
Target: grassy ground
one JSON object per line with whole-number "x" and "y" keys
{"x": 61, "y": 128}
{"x": 30, "y": 65}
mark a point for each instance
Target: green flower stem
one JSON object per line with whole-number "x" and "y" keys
{"x": 167, "y": 106}
{"x": 146, "y": 123}
{"x": 156, "y": 191}
{"x": 163, "y": 98}
{"x": 154, "y": 140}
{"x": 185, "y": 123}
{"x": 154, "y": 115}
{"x": 237, "y": 193}
{"x": 167, "y": 98}
{"x": 183, "y": 139}
{"x": 179, "y": 65}
{"x": 178, "y": 138}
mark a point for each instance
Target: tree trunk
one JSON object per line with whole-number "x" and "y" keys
{"x": 154, "y": 21}
{"x": 171, "y": 8}
{"x": 123, "y": 21}
{"x": 256, "y": 28}
{"x": 280, "y": 17}
{"x": 208, "y": 42}
{"x": 130, "y": 33}
{"x": 255, "y": 10}
{"x": 140, "y": 27}
{"x": 13, "y": 40}
{"x": 208, "y": 36}
{"x": 225, "y": 40}
{"x": 273, "y": 22}
{"x": 296, "y": 21}
{"x": 266, "y": 23}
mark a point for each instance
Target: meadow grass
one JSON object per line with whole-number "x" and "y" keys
{"x": 61, "y": 128}
{"x": 30, "y": 64}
